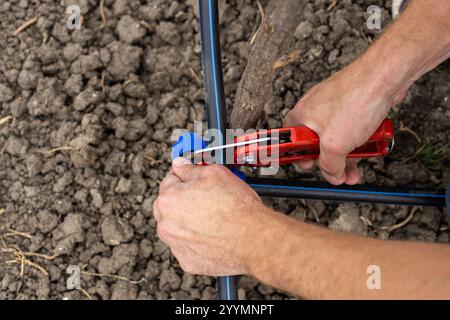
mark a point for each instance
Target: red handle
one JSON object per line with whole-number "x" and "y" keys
{"x": 301, "y": 143}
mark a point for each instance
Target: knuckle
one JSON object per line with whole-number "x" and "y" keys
{"x": 163, "y": 201}
{"x": 186, "y": 170}
{"x": 291, "y": 118}
{"x": 333, "y": 144}
{"x": 164, "y": 182}
{"x": 162, "y": 233}
{"x": 215, "y": 169}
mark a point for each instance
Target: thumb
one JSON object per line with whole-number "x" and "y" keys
{"x": 332, "y": 166}
{"x": 184, "y": 169}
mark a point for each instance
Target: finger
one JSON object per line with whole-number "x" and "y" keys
{"x": 290, "y": 120}
{"x": 185, "y": 170}
{"x": 156, "y": 212}
{"x": 332, "y": 166}
{"x": 305, "y": 165}
{"x": 353, "y": 175}
{"x": 169, "y": 181}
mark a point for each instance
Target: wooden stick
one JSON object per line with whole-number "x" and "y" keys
{"x": 275, "y": 39}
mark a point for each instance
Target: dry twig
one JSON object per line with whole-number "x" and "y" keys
{"x": 102, "y": 81}
{"x": 403, "y": 223}
{"x": 316, "y": 215}
{"x": 195, "y": 75}
{"x": 102, "y": 13}
{"x": 25, "y": 26}
{"x": 15, "y": 233}
{"x": 404, "y": 128}
{"x": 286, "y": 60}
{"x": 5, "y": 120}
{"x": 57, "y": 149}
{"x": 94, "y": 274}
{"x": 145, "y": 24}
{"x": 86, "y": 293}
{"x": 153, "y": 161}
{"x": 332, "y": 5}
{"x": 263, "y": 16}
{"x": 20, "y": 258}
{"x": 366, "y": 221}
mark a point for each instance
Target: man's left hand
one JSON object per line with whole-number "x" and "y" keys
{"x": 209, "y": 218}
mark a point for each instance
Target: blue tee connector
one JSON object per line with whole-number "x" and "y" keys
{"x": 190, "y": 142}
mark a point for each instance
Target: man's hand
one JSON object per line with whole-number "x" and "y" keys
{"x": 209, "y": 218}
{"x": 344, "y": 110}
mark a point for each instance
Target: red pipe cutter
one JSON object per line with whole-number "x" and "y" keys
{"x": 292, "y": 144}
{"x": 301, "y": 143}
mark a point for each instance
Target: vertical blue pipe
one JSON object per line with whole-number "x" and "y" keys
{"x": 214, "y": 101}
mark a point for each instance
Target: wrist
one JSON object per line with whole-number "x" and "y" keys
{"x": 262, "y": 240}
{"x": 274, "y": 239}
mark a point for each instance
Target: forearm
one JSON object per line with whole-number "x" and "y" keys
{"x": 316, "y": 263}
{"x": 416, "y": 43}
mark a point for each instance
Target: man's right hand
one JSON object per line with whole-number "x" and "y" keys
{"x": 347, "y": 108}
{"x": 344, "y": 110}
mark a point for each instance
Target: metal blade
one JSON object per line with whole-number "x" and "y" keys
{"x": 232, "y": 145}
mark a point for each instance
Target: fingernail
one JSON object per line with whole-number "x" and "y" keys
{"x": 180, "y": 161}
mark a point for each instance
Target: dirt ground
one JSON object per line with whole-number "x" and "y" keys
{"x": 85, "y": 123}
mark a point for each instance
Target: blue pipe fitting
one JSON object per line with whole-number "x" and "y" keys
{"x": 188, "y": 142}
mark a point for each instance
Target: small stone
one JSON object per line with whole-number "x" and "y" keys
{"x": 124, "y": 291}
{"x": 74, "y": 84}
{"x": 34, "y": 165}
{"x": 27, "y": 79}
{"x": 153, "y": 270}
{"x": 175, "y": 117}
{"x": 304, "y": 30}
{"x": 123, "y": 186}
{"x": 348, "y": 220}
{"x": 123, "y": 52}
{"x": 147, "y": 205}
{"x": 169, "y": 278}
{"x": 6, "y": 93}
{"x": 130, "y": 30}
{"x": 47, "y": 221}
{"x": 72, "y": 51}
{"x": 188, "y": 282}
{"x": 332, "y": 56}
{"x": 168, "y": 32}
{"x": 317, "y": 51}
{"x": 430, "y": 217}
{"x": 135, "y": 89}
{"x": 68, "y": 233}
{"x": 97, "y": 199}
{"x": 88, "y": 62}
{"x": 122, "y": 259}
{"x": 87, "y": 98}
{"x": 116, "y": 231}
{"x": 401, "y": 173}
{"x": 114, "y": 108}
{"x": 63, "y": 182}
{"x": 16, "y": 146}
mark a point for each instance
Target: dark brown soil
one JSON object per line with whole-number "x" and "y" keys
{"x": 85, "y": 124}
